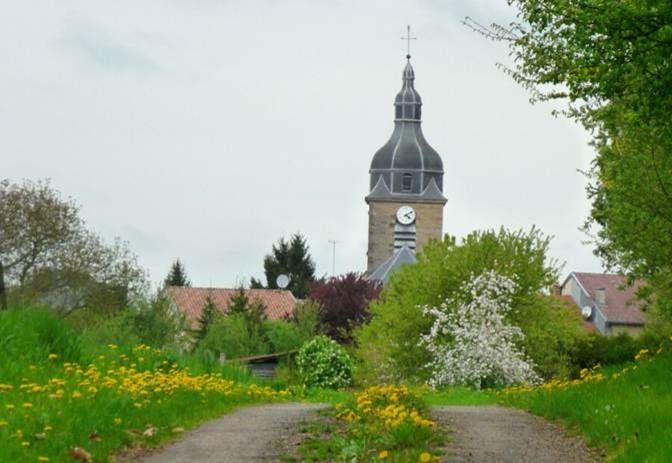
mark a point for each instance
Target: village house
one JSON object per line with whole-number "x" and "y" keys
{"x": 605, "y": 301}
{"x": 279, "y": 303}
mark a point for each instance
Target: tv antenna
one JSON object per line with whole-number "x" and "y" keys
{"x": 333, "y": 257}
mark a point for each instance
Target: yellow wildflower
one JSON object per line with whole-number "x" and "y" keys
{"x": 384, "y": 454}
{"x": 53, "y": 356}
{"x": 25, "y": 444}
{"x": 27, "y": 405}
{"x": 425, "y": 457}
{"x": 42, "y": 459}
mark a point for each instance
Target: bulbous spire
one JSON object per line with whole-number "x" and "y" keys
{"x": 408, "y": 102}
{"x": 407, "y": 166}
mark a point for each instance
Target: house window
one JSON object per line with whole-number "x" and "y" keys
{"x": 406, "y": 182}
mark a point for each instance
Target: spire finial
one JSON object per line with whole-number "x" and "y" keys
{"x": 408, "y": 39}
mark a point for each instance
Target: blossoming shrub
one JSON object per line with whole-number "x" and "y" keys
{"x": 321, "y": 362}
{"x": 469, "y": 340}
{"x": 389, "y": 346}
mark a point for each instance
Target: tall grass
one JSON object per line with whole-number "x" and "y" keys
{"x": 58, "y": 392}
{"x": 628, "y": 413}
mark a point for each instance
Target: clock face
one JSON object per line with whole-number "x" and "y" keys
{"x": 405, "y": 215}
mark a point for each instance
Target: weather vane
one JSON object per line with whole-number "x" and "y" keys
{"x": 408, "y": 39}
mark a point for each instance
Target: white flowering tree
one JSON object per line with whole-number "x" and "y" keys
{"x": 470, "y": 342}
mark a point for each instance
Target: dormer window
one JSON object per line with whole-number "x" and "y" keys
{"x": 407, "y": 182}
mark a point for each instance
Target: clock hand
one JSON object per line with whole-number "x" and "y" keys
{"x": 408, "y": 215}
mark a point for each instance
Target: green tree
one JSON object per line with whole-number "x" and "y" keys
{"x": 206, "y": 318}
{"x": 611, "y": 62}
{"x": 239, "y": 302}
{"x": 256, "y": 284}
{"x": 48, "y": 254}
{"x": 292, "y": 259}
{"x": 177, "y": 275}
{"x": 388, "y": 345}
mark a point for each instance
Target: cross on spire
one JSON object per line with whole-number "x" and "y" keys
{"x": 408, "y": 39}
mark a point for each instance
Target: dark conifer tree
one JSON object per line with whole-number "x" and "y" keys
{"x": 256, "y": 284}
{"x": 292, "y": 259}
{"x": 177, "y": 275}
{"x": 206, "y": 318}
{"x": 239, "y": 302}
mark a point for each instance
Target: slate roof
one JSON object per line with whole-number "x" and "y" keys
{"x": 621, "y": 305}
{"x": 190, "y": 301}
{"x": 401, "y": 256}
{"x": 407, "y": 152}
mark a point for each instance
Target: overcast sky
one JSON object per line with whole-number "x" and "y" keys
{"x": 206, "y": 130}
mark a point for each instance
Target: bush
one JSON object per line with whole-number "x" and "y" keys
{"x": 344, "y": 302}
{"x": 231, "y": 335}
{"x": 605, "y": 350}
{"x": 470, "y": 341}
{"x": 388, "y": 347}
{"x": 323, "y": 363}
{"x": 283, "y": 335}
{"x": 553, "y": 333}
{"x": 307, "y": 318}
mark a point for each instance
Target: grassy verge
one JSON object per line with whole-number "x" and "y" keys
{"x": 58, "y": 395}
{"x": 381, "y": 423}
{"x": 625, "y": 410}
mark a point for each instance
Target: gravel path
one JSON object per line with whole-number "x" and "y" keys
{"x": 250, "y": 434}
{"x": 497, "y": 434}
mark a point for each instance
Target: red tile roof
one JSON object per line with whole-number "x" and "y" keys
{"x": 279, "y": 303}
{"x": 621, "y": 305}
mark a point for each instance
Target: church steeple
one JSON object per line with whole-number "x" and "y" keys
{"x": 407, "y": 165}
{"x": 405, "y": 186}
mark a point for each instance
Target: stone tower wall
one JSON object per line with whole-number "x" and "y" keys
{"x": 429, "y": 224}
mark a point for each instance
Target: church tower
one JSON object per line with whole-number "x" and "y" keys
{"x": 406, "y": 185}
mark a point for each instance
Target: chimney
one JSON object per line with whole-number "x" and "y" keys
{"x": 600, "y": 297}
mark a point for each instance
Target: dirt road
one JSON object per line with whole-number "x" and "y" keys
{"x": 498, "y": 434}
{"x": 478, "y": 435}
{"x": 248, "y": 435}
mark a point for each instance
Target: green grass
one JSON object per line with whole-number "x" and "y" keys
{"x": 57, "y": 393}
{"x": 628, "y": 416}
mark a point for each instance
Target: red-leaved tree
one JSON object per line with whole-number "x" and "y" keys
{"x": 344, "y": 302}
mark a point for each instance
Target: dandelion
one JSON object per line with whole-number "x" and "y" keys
{"x": 27, "y": 405}
{"x": 3, "y": 424}
{"x": 76, "y": 395}
{"x": 117, "y": 421}
{"x": 383, "y": 455}
{"x": 43, "y": 459}
{"x": 25, "y": 444}
{"x": 9, "y": 407}
{"x": 425, "y": 457}
{"x": 53, "y": 356}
